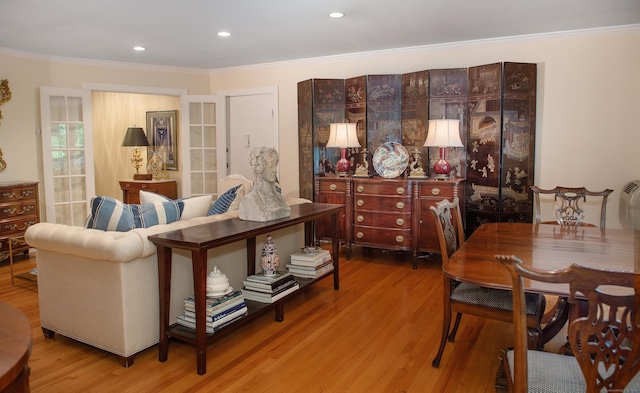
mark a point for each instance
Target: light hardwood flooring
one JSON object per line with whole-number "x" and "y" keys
{"x": 378, "y": 333}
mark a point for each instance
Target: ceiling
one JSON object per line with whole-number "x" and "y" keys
{"x": 184, "y": 33}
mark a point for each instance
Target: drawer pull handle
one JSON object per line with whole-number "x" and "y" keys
{"x": 360, "y": 218}
{"x": 360, "y": 188}
{"x": 360, "y": 202}
{"x": 400, "y": 205}
{"x": 400, "y": 221}
{"x": 333, "y": 187}
{"x": 359, "y": 235}
{"x": 435, "y": 191}
{"x": 399, "y": 238}
{"x": 400, "y": 190}
{"x": 144, "y": 186}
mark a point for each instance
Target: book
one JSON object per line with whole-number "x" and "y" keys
{"x": 302, "y": 258}
{"x": 308, "y": 268}
{"x": 263, "y": 287}
{"x": 260, "y": 278}
{"x": 213, "y": 302}
{"x": 315, "y": 274}
{"x": 209, "y": 329}
{"x": 214, "y": 323}
{"x": 191, "y": 307}
{"x": 220, "y": 313}
{"x": 268, "y": 298}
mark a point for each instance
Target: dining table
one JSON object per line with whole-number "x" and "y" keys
{"x": 542, "y": 246}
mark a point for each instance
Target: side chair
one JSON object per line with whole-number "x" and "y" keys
{"x": 472, "y": 299}
{"x": 605, "y": 342}
{"x": 569, "y": 212}
{"x": 569, "y": 215}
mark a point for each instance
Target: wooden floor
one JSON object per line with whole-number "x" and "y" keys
{"x": 378, "y": 333}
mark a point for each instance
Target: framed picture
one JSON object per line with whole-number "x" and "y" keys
{"x": 162, "y": 132}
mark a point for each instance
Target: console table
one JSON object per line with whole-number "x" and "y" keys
{"x": 202, "y": 238}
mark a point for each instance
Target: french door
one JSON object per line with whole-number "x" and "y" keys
{"x": 67, "y": 149}
{"x": 204, "y": 144}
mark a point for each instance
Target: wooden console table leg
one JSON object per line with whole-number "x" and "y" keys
{"x": 199, "y": 261}
{"x": 335, "y": 250}
{"x": 164, "y": 279}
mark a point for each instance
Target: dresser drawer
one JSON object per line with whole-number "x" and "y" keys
{"x": 18, "y": 225}
{"x": 381, "y": 203}
{"x": 390, "y": 188}
{"x": 383, "y": 221}
{"x": 331, "y": 185}
{"x": 25, "y": 207}
{"x": 19, "y": 193}
{"x": 377, "y": 237}
{"x": 438, "y": 191}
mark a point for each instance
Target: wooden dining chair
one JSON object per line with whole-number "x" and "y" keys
{"x": 605, "y": 343}
{"x": 464, "y": 298}
{"x": 569, "y": 212}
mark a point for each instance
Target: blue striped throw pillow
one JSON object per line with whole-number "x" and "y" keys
{"x": 110, "y": 214}
{"x": 221, "y": 205}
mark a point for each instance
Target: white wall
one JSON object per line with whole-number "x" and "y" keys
{"x": 588, "y": 95}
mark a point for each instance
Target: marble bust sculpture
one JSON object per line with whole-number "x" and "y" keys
{"x": 264, "y": 202}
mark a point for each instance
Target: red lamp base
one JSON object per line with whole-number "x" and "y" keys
{"x": 343, "y": 166}
{"x": 442, "y": 167}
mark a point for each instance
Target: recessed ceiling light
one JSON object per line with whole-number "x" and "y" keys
{"x": 139, "y": 48}
{"x": 224, "y": 34}
{"x": 336, "y": 14}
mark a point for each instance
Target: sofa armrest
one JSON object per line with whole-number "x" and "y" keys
{"x": 83, "y": 242}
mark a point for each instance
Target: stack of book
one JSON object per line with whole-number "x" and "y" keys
{"x": 221, "y": 311}
{"x": 260, "y": 288}
{"x": 310, "y": 265}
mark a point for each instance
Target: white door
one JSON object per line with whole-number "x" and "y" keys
{"x": 202, "y": 144}
{"x": 67, "y": 149}
{"x": 252, "y": 122}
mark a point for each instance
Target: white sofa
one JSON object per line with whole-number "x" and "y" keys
{"x": 101, "y": 287}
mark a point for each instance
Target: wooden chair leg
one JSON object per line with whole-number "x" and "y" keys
{"x": 452, "y": 335}
{"x": 446, "y": 322}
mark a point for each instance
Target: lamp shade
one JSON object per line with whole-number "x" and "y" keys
{"x": 444, "y": 133}
{"x": 343, "y": 135}
{"x": 135, "y": 137}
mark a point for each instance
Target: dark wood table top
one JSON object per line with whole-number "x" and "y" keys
{"x": 218, "y": 233}
{"x": 544, "y": 246}
{"x": 15, "y": 344}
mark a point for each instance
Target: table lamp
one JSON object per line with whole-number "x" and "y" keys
{"x": 443, "y": 133}
{"x": 343, "y": 135}
{"x": 135, "y": 137}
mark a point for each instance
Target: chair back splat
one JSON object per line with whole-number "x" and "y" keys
{"x": 605, "y": 342}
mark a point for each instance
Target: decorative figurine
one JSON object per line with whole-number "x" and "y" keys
{"x": 217, "y": 283}
{"x": 362, "y": 169}
{"x": 416, "y": 165}
{"x": 270, "y": 258}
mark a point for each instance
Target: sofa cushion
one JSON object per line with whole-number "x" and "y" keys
{"x": 197, "y": 206}
{"x": 149, "y": 214}
{"x": 110, "y": 214}
{"x": 221, "y": 205}
{"x": 232, "y": 181}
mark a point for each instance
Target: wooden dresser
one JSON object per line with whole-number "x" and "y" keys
{"x": 386, "y": 213}
{"x": 382, "y": 211}
{"x": 19, "y": 209}
{"x": 131, "y": 189}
